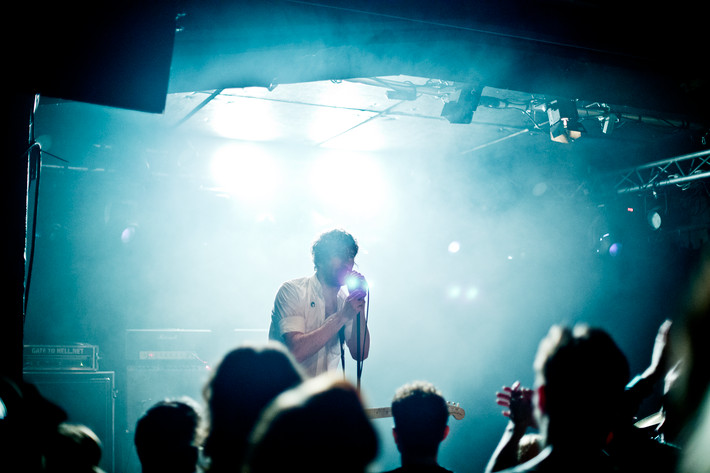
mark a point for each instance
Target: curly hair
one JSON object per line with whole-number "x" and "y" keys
{"x": 333, "y": 243}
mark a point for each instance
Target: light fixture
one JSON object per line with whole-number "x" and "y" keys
{"x": 656, "y": 207}
{"x": 654, "y": 219}
{"x": 120, "y": 219}
{"x": 460, "y": 110}
{"x": 609, "y": 246}
{"x": 564, "y": 121}
{"x": 609, "y": 122}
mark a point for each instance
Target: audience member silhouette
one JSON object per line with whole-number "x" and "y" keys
{"x": 74, "y": 449}
{"x": 166, "y": 437}
{"x": 245, "y": 381}
{"x": 632, "y": 446}
{"x": 578, "y": 400}
{"x": 317, "y": 427}
{"x": 28, "y": 425}
{"x": 421, "y": 417}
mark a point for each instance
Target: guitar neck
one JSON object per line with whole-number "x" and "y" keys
{"x": 382, "y": 412}
{"x": 378, "y": 412}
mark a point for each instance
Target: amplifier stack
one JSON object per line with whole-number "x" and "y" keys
{"x": 69, "y": 376}
{"x": 77, "y": 357}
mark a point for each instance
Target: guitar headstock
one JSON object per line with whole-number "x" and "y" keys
{"x": 456, "y": 411}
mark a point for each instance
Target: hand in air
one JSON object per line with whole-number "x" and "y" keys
{"x": 518, "y": 401}
{"x": 661, "y": 351}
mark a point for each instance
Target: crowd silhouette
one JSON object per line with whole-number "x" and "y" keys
{"x": 166, "y": 437}
{"x": 246, "y": 380}
{"x": 421, "y": 417}
{"x": 262, "y": 414}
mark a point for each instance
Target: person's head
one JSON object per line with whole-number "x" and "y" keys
{"x": 75, "y": 448}
{"x": 580, "y": 377}
{"x": 165, "y": 437}
{"x": 334, "y": 256}
{"x": 29, "y": 424}
{"x": 420, "y": 419}
{"x": 245, "y": 381}
{"x": 323, "y": 413}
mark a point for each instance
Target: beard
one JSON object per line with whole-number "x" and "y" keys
{"x": 335, "y": 277}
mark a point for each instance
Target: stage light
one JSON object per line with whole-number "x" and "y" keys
{"x": 355, "y": 176}
{"x": 459, "y": 293}
{"x": 244, "y": 118}
{"x": 608, "y": 123}
{"x": 454, "y": 292}
{"x": 461, "y": 108}
{"x": 564, "y": 121}
{"x": 656, "y": 206}
{"x": 654, "y": 219}
{"x": 246, "y": 171}
{"x": 129, "y": 233}
{"x": 121, "y": 221}
{"x": 608, "y": 245}
{"x": 615, "y": 249}
{"x": 471, "y": 293}
{"x": 454, "y": 247}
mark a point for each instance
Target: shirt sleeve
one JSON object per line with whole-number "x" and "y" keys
{"x": 289, "y": 313}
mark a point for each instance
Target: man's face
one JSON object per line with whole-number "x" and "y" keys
{"x": 336, "y": 270}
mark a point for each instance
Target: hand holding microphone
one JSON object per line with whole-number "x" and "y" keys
{"x": 357, "y": 289}
{"x": 356, "y": 283}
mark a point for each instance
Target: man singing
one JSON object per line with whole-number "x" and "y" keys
{"x": 310, "y": 312}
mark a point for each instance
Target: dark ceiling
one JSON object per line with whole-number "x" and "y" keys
{"x": 641, "y": 63}
{"x": 625, "y": 53}
{"x": 166, "y": 70}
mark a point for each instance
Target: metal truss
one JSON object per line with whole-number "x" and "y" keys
{"x": 678, "y": 171}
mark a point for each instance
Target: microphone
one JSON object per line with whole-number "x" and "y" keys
{"x": 356, "y": 282}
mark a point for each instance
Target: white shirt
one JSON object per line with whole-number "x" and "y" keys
{"x": 300, "y": 307}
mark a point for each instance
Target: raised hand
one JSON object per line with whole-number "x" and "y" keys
{"x": 518, "y": 401}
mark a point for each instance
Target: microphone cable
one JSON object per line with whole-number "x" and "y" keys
{"x": 361, "y": 347}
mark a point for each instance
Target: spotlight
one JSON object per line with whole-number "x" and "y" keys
{"x": 120, "y": 219}
{"x": 129, "y": 233}
{"x": 564, "y": 121}
{"x": 656, "y": 206}
{"x": 461, "y": 110}
{"x": 654, "y": 219}
{"x": 608, "y": 123}
{"x": 615, "y": 249}
{"x": 609, "y": 246}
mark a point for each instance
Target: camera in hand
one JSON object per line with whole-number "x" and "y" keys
{"x": 356, "y": 282}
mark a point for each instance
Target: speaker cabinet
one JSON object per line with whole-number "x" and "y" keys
{"x": 168, "y": 364}
{"x": 146, "y": 386}
{"x": 88, "y": 398}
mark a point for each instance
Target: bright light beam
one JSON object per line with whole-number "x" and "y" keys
{"x": 353, "y": 182}
{"x": 245, "y": 171}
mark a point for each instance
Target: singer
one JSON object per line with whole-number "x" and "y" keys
{"x": 316, "y": 316}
